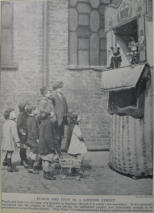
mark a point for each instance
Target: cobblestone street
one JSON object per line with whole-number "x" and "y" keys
{"x": 97, "y": 181}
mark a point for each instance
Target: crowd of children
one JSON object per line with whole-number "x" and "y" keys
{"x": 35, "y": 132}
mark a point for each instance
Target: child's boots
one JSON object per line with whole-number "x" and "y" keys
{"x": 5, "y": 163}
{"x": 24, "y": 160}
{"x": 38, "y": 164}
{"x": 31, "y": 168}
{"x": 11, "y": 168}
{"x": 48, "y": 176}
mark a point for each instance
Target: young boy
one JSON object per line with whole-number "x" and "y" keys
{"x": 10, "y": 138}
{"x": 32, "y": 137}
{"x": 47, "y": 142}
{"x": 22, "y": 131}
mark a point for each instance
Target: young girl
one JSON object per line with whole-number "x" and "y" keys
{"x": 77, "y": 145}
{"x": 10, "y": 138}
{"x": 70, "y": 127}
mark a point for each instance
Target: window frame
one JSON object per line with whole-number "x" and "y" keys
{"x": 10, "y": 65}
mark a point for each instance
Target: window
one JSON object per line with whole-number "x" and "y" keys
{"x": 7, "y": 35}
{"x": 87, "y": 38}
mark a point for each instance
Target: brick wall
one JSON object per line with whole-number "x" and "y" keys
{"x": 25, "y": 81}
{"x": 85, "y": 97}
{"x": 81, "y": 88}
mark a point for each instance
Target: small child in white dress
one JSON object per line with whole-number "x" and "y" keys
{"x": 77, "y": 145}
{"x": 10, "y": 139}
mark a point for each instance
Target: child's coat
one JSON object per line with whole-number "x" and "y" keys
{"x": 10, "y": 135}
{"x": 32, "y": 133}
{"x": 47, "y": 137}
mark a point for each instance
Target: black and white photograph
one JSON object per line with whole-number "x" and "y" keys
{"x": 76, "y": 98}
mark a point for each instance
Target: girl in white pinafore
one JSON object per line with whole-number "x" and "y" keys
{"x": 10, "y": 139}
{"x": 77, "y": 144}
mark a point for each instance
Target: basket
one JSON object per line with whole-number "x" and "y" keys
{"x": 70, "y": 163}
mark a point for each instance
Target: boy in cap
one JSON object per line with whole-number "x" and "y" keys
{"x": 61, "y": 109}
{"x": 45, "y": 92}
{"x": 47, "y": 142}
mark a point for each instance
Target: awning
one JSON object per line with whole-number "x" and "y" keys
{"x": 122, "y": 78}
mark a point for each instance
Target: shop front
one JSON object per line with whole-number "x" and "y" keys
{"x": 129, "y": 84}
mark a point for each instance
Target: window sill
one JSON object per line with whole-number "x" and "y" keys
{"x": 83, "y": 68}
{"x": 9, "y": 67}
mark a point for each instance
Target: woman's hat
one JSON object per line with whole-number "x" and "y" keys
{"x": 58, "y": 84}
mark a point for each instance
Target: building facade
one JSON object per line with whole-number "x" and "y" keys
{"x": 45, "y": 41}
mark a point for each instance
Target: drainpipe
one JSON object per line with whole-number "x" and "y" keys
{"x": 45, "y": 67}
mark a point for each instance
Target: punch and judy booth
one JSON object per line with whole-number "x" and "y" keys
{"x": 129, "y": 89}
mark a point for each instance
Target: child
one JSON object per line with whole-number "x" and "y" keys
{"x": 47, "y": 142}
{"x": 22, "y": 131}
{"x": 77, "y": 145}
{"x": 32, "y": 137}
{"x": 10, "y": 138}
{"x": 71, "y": 123}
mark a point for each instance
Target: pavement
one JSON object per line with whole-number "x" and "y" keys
{"x": 99, "y": 180}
